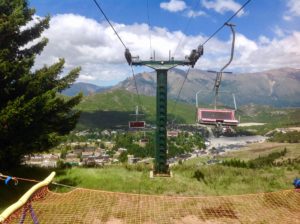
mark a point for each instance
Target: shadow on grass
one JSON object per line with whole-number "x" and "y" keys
{"x": 104, "y": 119}
{"x": 110, "y": 119}
{"x": 68, "y": 181}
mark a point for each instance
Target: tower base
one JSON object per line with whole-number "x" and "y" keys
{"x": 153, "y": 174}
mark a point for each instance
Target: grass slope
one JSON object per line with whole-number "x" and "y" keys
{"x": 113, "y": 108}
{"x": 217, "y": 179}
{"x": 267, "y": 114}
{"x": 262, "y": 149}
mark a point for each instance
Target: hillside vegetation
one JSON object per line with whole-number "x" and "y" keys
{"x": 192, "y": 177}
{"x": 290, "y": 137}
{"x": 114, "y": 108}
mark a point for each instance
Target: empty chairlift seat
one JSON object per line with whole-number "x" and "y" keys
{"x": 136, "y": 124}
{"x": 209, "y": 116}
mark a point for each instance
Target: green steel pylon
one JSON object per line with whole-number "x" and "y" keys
{"x": 161, "y": 68}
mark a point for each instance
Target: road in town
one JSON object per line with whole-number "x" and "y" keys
{"x": 234, "y": 143}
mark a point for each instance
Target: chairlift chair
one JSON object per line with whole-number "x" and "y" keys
{"x": 136, "y": 124}
{"x": 172, "y": 133}
{"x": 219, "y": 117}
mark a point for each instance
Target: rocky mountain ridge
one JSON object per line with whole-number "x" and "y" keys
{"x": 278, "y": 87}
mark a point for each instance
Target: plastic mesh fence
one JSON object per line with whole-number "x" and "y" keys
{"x": 93, "y": 206}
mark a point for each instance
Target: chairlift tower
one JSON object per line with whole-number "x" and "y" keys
{"x": 162, "y": 68}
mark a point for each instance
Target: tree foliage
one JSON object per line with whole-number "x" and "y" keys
{"x": 261, "y": 161}
{"x": 33, "y": 116}
{"x": 289, "y": 137}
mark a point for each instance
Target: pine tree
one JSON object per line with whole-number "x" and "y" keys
{"x": 33, "y": 115}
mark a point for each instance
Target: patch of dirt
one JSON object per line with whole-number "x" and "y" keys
{"x": 220, "y": 212}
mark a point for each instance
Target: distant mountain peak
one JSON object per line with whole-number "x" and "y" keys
{"x": 85, "y": 88}
{"x": 276, "y": 87}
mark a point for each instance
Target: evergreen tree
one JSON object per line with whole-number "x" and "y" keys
{"x": 33, "y": 115}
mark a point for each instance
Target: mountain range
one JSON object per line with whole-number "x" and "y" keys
{"x": 278, "y": 87}
{"x": 85, "y": 88}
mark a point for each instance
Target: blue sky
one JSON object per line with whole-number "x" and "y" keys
{"x": 267, "y": 30}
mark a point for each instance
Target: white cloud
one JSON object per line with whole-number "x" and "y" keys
{"x": 194, "y": 14}
{"x": 222, "y": 6}
{"x": 84, "y": 78}
{"x": 293, "y": 10}
{"x": 264, "y": 40}
{"x": 279, "y": 31}
{"x": 93, "y": 46}
{"x": 293, "y": 7}
{"x": 287, "y": 18}
{"x": 250, "y": 55}
{"x": 282, "y": 52}
{"x": 173, "y": 5}
{"x": 180, "y": 5}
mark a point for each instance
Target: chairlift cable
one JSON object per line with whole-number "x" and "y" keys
{"x": 186, "y": 28}
{"x": 135, "y": 83}
{"x": 136, "y": 88}
{"x": 178, "y": 95}
{"x": 180, "y": 40}
{"x": 227, "y": 21}
{"x": 99, "y": 7}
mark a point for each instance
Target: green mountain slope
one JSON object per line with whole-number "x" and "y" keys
{"x": 113, "y": 108}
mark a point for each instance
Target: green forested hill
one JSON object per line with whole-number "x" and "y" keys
{"x": 113, "y": 108}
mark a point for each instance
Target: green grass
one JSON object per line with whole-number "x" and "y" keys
{"x": 218, "y": 179}
{"x": 262, "y": 149}
{"x": 291, "y": 137}
{"x": 273, "y": 117}
{"x": 268, "y": 114}
{"x": 114, "y": 108}
{"x": 135, "y": 178}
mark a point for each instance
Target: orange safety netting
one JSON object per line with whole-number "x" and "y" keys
{"x": 94, "y": 206}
